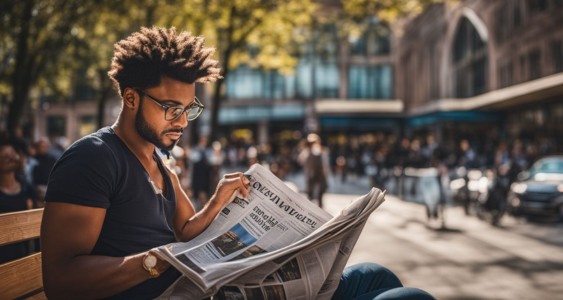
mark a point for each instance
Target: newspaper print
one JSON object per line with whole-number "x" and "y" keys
{"x": 274, "y": 245}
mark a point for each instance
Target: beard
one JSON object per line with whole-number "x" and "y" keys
{"x": 149, "y": 134}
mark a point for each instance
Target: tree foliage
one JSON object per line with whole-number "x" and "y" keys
{"x": 53, "y": 48}
{"x": 258, "y": 33}
{"x": 34, "y": 34}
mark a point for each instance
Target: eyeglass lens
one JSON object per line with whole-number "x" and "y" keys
{"x": 175, "y": 112}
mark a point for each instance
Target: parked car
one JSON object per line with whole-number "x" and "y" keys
{"x": 539, "y": 190}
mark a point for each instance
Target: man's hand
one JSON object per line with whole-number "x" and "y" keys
{"x": 190, "y": 224}
{"x": 228, "y": 185}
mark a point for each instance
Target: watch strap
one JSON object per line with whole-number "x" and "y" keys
{"x": 153, "y": 272}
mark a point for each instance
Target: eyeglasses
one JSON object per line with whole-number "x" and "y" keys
{"x": 172, "y": 113}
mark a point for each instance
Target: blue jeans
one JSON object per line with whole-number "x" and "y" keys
{"x": 372, "y": 281}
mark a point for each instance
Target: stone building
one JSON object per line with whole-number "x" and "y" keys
{"x": 484, "y": 70}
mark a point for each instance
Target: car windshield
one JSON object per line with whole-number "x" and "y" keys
{"x": 550, "y": 166}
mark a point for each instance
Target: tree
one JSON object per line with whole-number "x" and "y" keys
{"x": 35, "y": 33}
{"x": 268, "y": 26}
{"x": 99, "y": 31}
{"x": 356, "y": 13}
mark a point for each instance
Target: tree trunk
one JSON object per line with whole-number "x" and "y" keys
{"x": 21, "y": 81}
{"x": 105, "y": 89}
{"x": 216, "y": 101}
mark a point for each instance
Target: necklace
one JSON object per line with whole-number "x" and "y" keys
{"x": 155, "y": 187}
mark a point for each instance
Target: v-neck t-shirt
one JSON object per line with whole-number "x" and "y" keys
{"x": 100, "y": 171}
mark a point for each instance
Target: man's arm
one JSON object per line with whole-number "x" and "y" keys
{"x": 187, "y": 223}
{"x": 68, "y": 235}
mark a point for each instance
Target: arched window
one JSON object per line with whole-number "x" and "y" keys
{"x": 469, "y": 61}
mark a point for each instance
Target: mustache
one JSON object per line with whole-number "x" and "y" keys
{"x": 175, "y": 130}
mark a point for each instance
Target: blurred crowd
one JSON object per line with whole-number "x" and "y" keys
{"x": 378, "y": 156}
{"x": 24, "y": 172}
{"x": 25, "y": 165}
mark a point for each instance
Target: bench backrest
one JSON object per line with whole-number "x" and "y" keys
{"x": 21, "y": 278}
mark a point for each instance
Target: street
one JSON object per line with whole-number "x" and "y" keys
{"x": 467, "y": 259}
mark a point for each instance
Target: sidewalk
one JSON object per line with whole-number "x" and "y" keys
{"x": 354, "y": 185}
{"x": 469, "y": 259}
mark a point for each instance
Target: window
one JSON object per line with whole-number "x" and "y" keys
{"x": 469, "y": 61}
{"x": 516, "y": 14}
{"x": 56, "y": 126}
{"x": 376, "y": 40}
{"x": 326, "y": 62}
{"x": 557, "y": 55}
{"x": 534, "y": 62}
{"x": 537, "y": 5}
{"x": 501, "y": 30}
{"x": 509, "y": 17}
{"x": 523, "y": 69}
{"x": 245, "y": 83}
{"x": 254, "y": 83}
{"x": 87, "y": 125}
{"x": 505, "y": 74}
{"x": 370, "y": 82}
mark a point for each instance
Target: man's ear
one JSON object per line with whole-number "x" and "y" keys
{"x": 129, "y": 96}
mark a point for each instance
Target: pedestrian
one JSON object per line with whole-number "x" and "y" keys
{"x": 15, "y": 195}
{"x": 316, "y": 167}
{"x": 40, "y": 173}
{"x": 216, "y": 158}
{"x": 110, "y": 200}
{"x": 201, "y": 173}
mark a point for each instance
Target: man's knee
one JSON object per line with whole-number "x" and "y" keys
{"x": 374, "y": 273}
{"x": 372, "y": 281}
{"x": 402, "y": 293}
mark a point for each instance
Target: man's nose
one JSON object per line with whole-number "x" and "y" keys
{"x": 182, "y": 120}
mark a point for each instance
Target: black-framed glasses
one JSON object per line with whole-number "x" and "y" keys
{"x": 172, "y": 113}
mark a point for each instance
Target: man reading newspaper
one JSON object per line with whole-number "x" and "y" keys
{"x": 116, "y": 218}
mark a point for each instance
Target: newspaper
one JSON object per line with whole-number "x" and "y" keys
{"x": 276, "y": 244}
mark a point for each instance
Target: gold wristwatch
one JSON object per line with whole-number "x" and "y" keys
{"x": 149, "y": 264}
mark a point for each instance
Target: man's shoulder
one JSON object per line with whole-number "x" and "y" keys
{"x": 104, "y": 136}
{"x": 100, "y": 143}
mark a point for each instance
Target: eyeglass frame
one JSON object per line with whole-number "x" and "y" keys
{"x": 165, "y": 107}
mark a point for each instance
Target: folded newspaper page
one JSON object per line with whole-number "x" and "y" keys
{"x": 274, "y": 245}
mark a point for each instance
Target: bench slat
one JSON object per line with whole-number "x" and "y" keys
{"x": 20, "y": 226}
{"x": 38, "y": 296}
{"x": 21, "y": 277}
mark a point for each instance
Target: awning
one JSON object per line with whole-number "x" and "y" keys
{"x": 527, "y": 92}
{"x": 253, "y": 113}
{"x": 453, "y": 116}
{"x": 358, "y": 123}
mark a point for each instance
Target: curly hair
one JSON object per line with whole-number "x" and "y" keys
{"x": 140, "y": 60}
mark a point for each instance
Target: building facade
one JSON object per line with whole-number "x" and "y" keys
{"x": 342, "y": 88}
{"x": 488, "y": 71}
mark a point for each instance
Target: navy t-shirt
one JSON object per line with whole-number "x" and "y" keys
{"x": 100, "y": 171}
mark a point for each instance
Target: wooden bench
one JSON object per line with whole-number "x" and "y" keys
{"x": 21, "y": 278}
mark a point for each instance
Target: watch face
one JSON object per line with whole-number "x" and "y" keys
{"x": 150, "y": 261}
